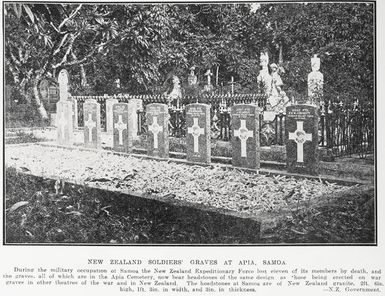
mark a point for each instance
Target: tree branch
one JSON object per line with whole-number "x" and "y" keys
{"x": 70, "y": 17}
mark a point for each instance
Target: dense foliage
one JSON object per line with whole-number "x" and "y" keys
{"x": 142, "y": 45}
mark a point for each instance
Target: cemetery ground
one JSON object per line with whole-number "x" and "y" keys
{"x": 57, "y": 195}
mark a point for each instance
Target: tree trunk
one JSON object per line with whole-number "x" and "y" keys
{"x": 36, "y": 98}
{"x": 83, "y": 75}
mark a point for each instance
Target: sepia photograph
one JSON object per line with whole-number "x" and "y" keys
{"x": 189, "y": 124}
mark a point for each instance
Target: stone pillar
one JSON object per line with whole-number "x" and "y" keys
{"x": 64, "y": 121}
{"x": 109, "y": 116}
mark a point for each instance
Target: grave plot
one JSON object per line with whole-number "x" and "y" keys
{"x": 229, "y": 189}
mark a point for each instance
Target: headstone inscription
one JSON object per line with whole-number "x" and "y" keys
{"x": 109, "y": 114}
{"x": 157, "y": 137}
{"x": 122, "y": 135}
{"x": 302, "y": 139}
{"x": 198, "y": 133}
{"x": 63, "y": 119}
{"x": 245, "y": 136}
{"x": 92, "y": 132}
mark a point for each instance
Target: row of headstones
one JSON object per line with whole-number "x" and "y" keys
{"x": 301, "y": 132}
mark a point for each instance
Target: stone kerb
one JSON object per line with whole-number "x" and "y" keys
{"x": 122, "y": 127}
{"x": 245, "y": 136}
{"x": 198, "y": 136}
{"x": 92, "y": 129}
{"x": 157, "y": 118}
{"x": 301, "y": 137}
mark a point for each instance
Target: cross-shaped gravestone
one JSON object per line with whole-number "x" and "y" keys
{"x": 301, "y": 132}
{"x": 243, "y": 134}
{"x": 157, "y": 118}
{"x": 92, "y": 132}
{"x": 300, "y": 137}
{"x": 155, "y": 128}
{"x": 90, "y": 124}
{"x": 196, "y": 131}
{"x": 120, "y": 126}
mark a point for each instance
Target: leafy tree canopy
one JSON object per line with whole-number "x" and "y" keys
{"x": 142, "y": 44}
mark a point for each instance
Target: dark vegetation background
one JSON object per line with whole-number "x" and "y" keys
{"x": 143, "y": 45}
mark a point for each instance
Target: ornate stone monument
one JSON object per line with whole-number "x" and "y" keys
{"x": 122, "y": 127}
{"x": 92, "y": 131}
{"x": 264, "y": 78}
{"x": 315, "y": 81}
{"x": 302, "y": 139}
{"x": 64, "y": 120}
{"x": 209, "y": 86}
{"x": 176, "y": 93}
{"x": 192, "y": 79}
{"x": 245, "y": 136}
{"x": 157, "y": 136}
{"x": 198, "y": 140}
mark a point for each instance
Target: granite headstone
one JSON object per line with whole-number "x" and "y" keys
{"x": 157, "y": 136}
{"x": 198, "y": 142}
{"x": 92, "y": 132}
{"x": 122, "y": 135}
{"x": 245, "y": 136}
{"x": 302, "y": 139}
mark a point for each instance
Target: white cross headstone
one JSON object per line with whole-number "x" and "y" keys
{"x": 120, "y": 126}
{"x": 90, "y": 124}
{"x": 155, "y": 128}
{"x": 243, "y": 134}
{"x": 300, "y": 137}
{"x": 196, "y": 131}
